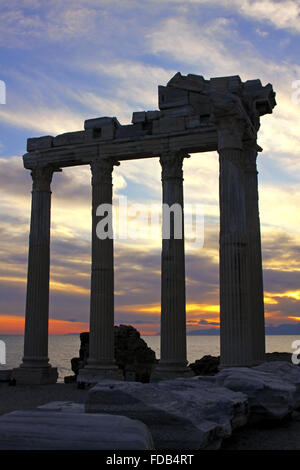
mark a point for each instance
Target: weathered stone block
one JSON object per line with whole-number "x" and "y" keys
{"x": 168, "y": 124}
{"x": 232, "y": 84}
{"x": 64, "y": 406}
{"x": 263, "y": 98}
{"x": 69, "y": 138}
{"x": 139, "y": 116}
{"x": 104, "y": 133}
{"x": 199, "y": 103}
{"x": 178, "y": 111}
{"x": 98, "y": 123}
{"x": 107, "y": 132}
{"x": 50, "y": 430}
{"x": 192, "y": 122}
{"x": 190, "y": 82}
{"x": 270, "y": 397}
{"x": 181, "y": 414}
{"x": 169, "y": 97}
{"x": 285, "y": 371}
{"x": 39, "y": 143}
{"x": 152, "y": 115}
{"x": 131, "y": 130}
{"x": 219, "y": 84}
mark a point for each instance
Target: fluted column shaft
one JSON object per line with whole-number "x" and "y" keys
{"x": 173, "y": 310}
{"x": 37, "y": 300}
{"x": 101, "y": 353}
{"x": 235, "y": 326}
{"x": 256, "y": 291}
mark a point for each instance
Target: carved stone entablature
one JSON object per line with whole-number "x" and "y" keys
{"x": 195, "y": 115}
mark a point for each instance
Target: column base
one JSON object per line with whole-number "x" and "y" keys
{"x": 93, "y": 374}
{"x": 170, "y": 370}
{"x": 35, "y": 375}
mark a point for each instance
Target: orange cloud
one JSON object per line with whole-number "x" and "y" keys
{"x": 290, "y": 294}
{"x": 14, "y": 325}
{"x": 156, "y": 308}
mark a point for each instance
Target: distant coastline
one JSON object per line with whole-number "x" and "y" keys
{"x": 284, "y": 330}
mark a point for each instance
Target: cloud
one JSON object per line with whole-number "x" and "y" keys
{"x": 42, "y": 120}
{"x": 134, "y": 85}
{"x": 282, "y": 14}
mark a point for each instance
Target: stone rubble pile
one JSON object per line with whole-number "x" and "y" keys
{"x": 183, "y": 413}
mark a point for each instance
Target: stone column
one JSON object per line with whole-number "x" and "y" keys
{"x": 101, "y": 361}
{"x": 35, "y": 367}
{"x": 256, "y": 290}
{"x": 235, "y": 313}
{"x": 173, "y": 356}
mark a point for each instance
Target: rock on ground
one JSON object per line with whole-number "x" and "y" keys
{"x": 50, "y": 430}
{"x": 210, "y": 365}
{"x": 270, "y": 397}
{"x": 287, "y": 372}
{"x": 132, "y": 354}
{"x": 207, "y": 365}
{"x": 181, "y": 414}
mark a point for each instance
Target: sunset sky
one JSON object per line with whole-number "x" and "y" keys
{"x": 65, "y": 61}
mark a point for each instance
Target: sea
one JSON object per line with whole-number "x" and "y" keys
{"x": 63, "y": 347}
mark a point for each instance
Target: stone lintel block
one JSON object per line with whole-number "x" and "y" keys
{"x": 222, "y": 84}
{"x": 105, "y": 133}
{"x": 169, "y": 97}
{"x": 192, "y": 121}
{"x": 98, "y": 123}
{"x": 59, "y": 430}
{"x": 255, "y": 84}
{"x": 190, "y": 82}
{"x": 180, "y": 413}
{"x": 141, "y": 117}
{"x": 152, "y": 115}
{"x": 130, "y": 130}
{"x": 138, "y": 116}
{"x": 168, "y": 124}
{"x": 235, "y": 84}
{"x": 39, "y": 143}
{"x": 178, "y": 111}
{"x": 200, "y": 103}
{"x": 69, "y": 138}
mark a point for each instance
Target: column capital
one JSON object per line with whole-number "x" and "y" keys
{"x": 171, "y": 163}
{"x": 41, "y": 178}
{"x": 231, "y": 120}
{"x": 102, "y": 170}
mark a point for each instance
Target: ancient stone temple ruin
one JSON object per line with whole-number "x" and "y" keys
{"x": 195, "y": 115}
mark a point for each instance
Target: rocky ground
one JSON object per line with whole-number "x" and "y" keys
{"x": 28, "y": 397}
{"x": 284, "y": 436}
